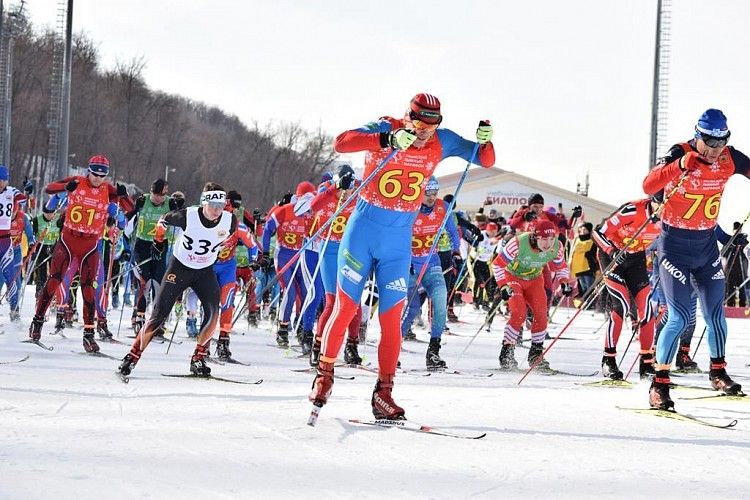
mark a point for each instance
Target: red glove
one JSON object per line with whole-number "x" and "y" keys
{"x": 691, "y": 161}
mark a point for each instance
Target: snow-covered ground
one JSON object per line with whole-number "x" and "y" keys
{"x": 70, "y": 429}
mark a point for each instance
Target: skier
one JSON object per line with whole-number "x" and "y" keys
{"x": 484, "y": 253}
{"x": 46, "y": 232}
{"x": 518, "y": 272}
{"x": 378, "y": 234}
{"x": 628, "y": 279}
{"x": 204, "y": 230}
{"x": 694, "y": 175}
{"x": 85, "y": 218}
{"x": 430, "y": 219}
{"x": 12, "y": 260}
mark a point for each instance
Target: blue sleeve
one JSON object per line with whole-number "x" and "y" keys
{"x": 376, "y": 127}
{"x": 450, "y": 226}
{"x": 122, "y": 221}
{"x": 721, "y": 235}
{"x": 57, "y": 201}
{"x": 268, "y": 230}
{"x": 252, "y": 253}
{"x": 112, "y": 209}
{"x": 455, "y": 145}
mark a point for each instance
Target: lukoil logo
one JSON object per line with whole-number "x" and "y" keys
{"x": 676, "y": 273}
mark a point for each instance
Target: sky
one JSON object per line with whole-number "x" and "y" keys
{"x": 567, "y": 85}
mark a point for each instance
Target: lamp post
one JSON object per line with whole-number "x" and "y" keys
{"x": 166, "y": 172}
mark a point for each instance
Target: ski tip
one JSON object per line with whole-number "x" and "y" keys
{"x": 314, "y": 414}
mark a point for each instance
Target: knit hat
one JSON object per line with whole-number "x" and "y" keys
{"x": 544, "y": 228}
{"x": 713, "y": 123}
{"x": 4, "y": 173}
{"x": 432, "y": 184}
{"x": 304, "y": 187}
{"x": 159, "y": 186}
{"x": 536, "y": 198}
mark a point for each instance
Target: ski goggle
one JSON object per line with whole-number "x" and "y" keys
{"x": 711, "y": 141}
{"x": 425, "y": 119}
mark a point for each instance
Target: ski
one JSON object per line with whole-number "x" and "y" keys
{"x": 97, "y": 354}
{"x": 232, "y": 361}
{"x": 216, "y": 361}
{"x": 59, "y": 333}
{"x": 568, "y": 374}
{"x": 358, "y": 367}
{"x": 695, "y": 371}
{"x": 15, "y": 360}
{"x": 680, "y": 416}
{"x": 38, "y": 343}
{"x": 123, "y": 378}
{"x": 623, "y": 384}
{"x": 113, "y": 341}
{"x": 315, "y": 370}
{"x": 414, "y": 427}
{"x": 447, "y": 371}
{"x": 211, "y": 377}
{"x": 727, "y": 397}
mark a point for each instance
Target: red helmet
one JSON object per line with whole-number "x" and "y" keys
{"x": 303, "y": 188}
{"x": 544, "y": 228}
{"x": 99, "y": 164}
{"x": 426, "y": 108}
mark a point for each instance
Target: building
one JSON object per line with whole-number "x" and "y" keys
{"x": 506, "y": 191}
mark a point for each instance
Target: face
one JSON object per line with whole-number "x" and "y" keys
{"x": 3, "y": 185}
{"x": 492, "y": 233}
{"x": 158, "y": 199}
{"x": 709, "y": 153}
{"x": 429, "y": 198}
{"x": 545, "y": 243}
{"x": 422, "y": 130}
{"x": 583, "y": 231}
{"x": 536, "y": 207}
{"x": 212, "y": 212}
{"x": 493, "y": 214}
{"x": 96, "y": 180}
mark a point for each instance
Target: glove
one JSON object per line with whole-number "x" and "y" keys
{"x": 256, "y": 214}
{"x": 692, "y": 161}
{"x": 401, "y": 139}
{"x": 71, "y": 185}
{"x": 125, "y": 256}
{"x": 619, "y": 258}
{"x": 345, "y": 181}
{"x": 28, "y": 187}
{"x": 529, "y": 216}
{"x": 458, "y": 262}
{"x": 265, "y": 260}
{"x": 577, "y": 212}
{"x": 122, "y": 190}
{"x": 484, "y": 132}
{"x": 286, "y": 199}
{"x": 111, "y": 221}
{"x": 566, "y": 290}
{"x": 254, "y": 265}
{"x": 504, "y": 293}
{"x": 157, "y": 249}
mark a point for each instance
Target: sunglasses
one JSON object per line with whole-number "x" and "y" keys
{"x": 714, "y": 142}
{"x": 101, "y": 176}
{"x": 420, "y": 125}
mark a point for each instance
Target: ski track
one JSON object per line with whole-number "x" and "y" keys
{"x": 71, "y": 429}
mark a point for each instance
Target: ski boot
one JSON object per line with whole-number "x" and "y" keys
{"x": 535, "y": 352}
{"x": 684, "y": 362}
{"x": 452, "y": 318}
{"x": 351, "y": 353}
{"x": 315, "y": 352}
{"x": 252, "y": 318}
{"x": 609, "y": 365}
{"x": 383, "y": 406}
{"x": 138, "y": 323}
{"x": 658, "y": 394}
{"x": 222, "y": 348}
{"x": 409, "y": 336}
{"x": 159, "y": 335}
{"x": 89, "y": 343}
{"x": 128, "y": 364}
{"x": 59, "y": 321}
{"x": 35, "y": 329}
{"x": 198, "y": 365}
{"x": 191, "y": 325}
{"x": 282, "y": 336}
{"x": 720, "y": 381}
{"x": 299, "y": 334}
{"x": 308, "y": 337}
{"x": 433, "y": 359}
{"x": 103, "y": 330}
{"x": 322, "y": 385}
{"x": 272, "y": 314}
{"x": 507, "y": 358}
{"x": 15, "y": 315}
{"x": 646, "y": 365}
{"x": 68, "y": 318}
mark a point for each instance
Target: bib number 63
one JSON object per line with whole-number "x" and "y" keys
{"x": 393, "y": 185}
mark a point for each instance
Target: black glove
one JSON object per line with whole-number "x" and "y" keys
{"x": 504, "y": 293}
{"x": 157, "y": 249}
{"x": 458, "y": 262}
{"x": 28, "y": 187}
{"x": 529, "y": 216}
{"x": 122, "y": 190}
{"x": 286, "y": 199}
{"x": 346, "y": 180}
{"x": 577, "y": 212}
{"x": 111, "y": 221}
{"x": 256, "y": 215}
{"x": 265, "y": 260}
{"x": 566, "y": 290}
{"x": 71, "y": 185}
{"x": 618, "y": 257}
{"x": 254, "y": 265}
{"x": 125, "y": 256}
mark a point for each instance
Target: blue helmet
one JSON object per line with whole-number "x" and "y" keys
{"x": 432, "y": 185}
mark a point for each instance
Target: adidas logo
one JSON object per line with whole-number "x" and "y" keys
{"x": 719, "y": 275}
{"x": 399, "y": 285}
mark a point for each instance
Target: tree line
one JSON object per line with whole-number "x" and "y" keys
{"x": 142, "y": 131}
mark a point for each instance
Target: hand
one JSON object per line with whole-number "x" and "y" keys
{"x": 111, "y": 221}
{"x": 122, "y": 190}
{"x": 457, "y": 261}
{"x": 265, "y": 260}
{"x": 71, "y": 185}
{"x": 692, "y": 161}
{"x": 125, "y": 256}
{"x": 28, "y": 187}
{"x": 566, "y": 290}
{"x": 157, "y": 249}
{"x": 254, "y": 265}
{"x": 401, "y": 139}
{"x": 256, "y": 214}
{"x": 345, "y": 181}
{"x": 286, "y": 199}
{"x": 618, "y": 257}
{"x": 577, "y": 212}
{"x": 484, "y": 132}
{"x": 504, "y": 293}
{"x": 529, "y": 216}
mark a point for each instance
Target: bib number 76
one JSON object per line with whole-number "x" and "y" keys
{"x": 710, "y": 208}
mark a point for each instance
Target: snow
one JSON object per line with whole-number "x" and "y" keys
{"x": 70, "y": 428}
